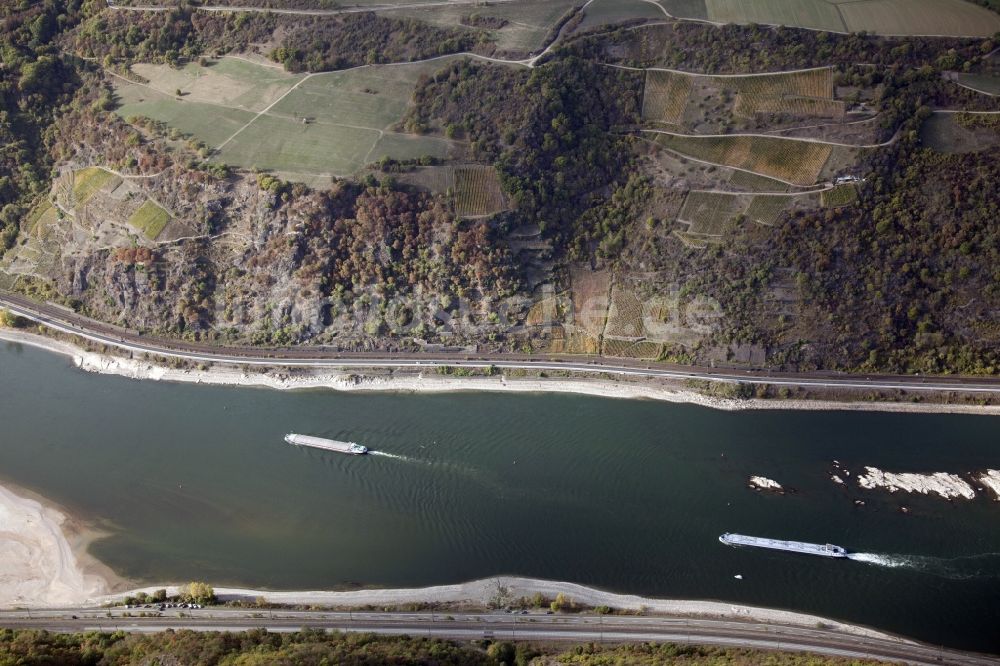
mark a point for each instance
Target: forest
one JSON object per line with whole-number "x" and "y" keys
{"x": 35, "y": 81}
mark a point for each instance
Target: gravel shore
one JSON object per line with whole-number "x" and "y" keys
{"x": 38, "y": 564}
{"x": 479, "y": 593}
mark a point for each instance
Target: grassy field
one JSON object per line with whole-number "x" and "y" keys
{"x": 89, "y": 180}
{"x": 409, "y": 147}
{"x": 370, "y": 97}
{"x": 767, "y": 210}
{"x": 956, "y": 18}
{"x": 693, "y": 9}
{"x": 709, "y": 212}
{"x": 985, "y": 83}
{"x": 665, "y": 96}
{"x": 604, "y": 12}
{"x": 276, "y": 143}
{"x": 920, "y": 17}
{"x": 331, "y": 124}
{"x": 841, "y": 195}
{"x": 150, "y": 219}
{"x": 477, "y": 191}
{"x": 229, "y": 82}
{"x": 528, "y": 21}
{"x": 797, "y": 162}
{"x": 206, "y": 122}
{"x": 436, "y": 179}
{"x": 815, "y": 14}
{"x": 951, "y": 133}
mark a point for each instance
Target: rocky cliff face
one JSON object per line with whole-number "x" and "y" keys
{"x": 168, "y": 246}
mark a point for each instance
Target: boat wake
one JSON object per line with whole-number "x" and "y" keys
{"x": 396, "y": 456}
{"x": 891, "y": 561}
{"x": 968, "y": 567}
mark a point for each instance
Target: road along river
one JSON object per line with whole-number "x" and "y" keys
{"x": 195, "y": 482}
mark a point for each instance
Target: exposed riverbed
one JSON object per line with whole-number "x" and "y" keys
{"x": 194, "y": 482}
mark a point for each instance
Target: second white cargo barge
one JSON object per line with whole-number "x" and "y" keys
{"x": 824, "y": 550}
{"x": 326, "y": 444}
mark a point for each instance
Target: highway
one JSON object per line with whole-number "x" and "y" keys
{"x": 64, "y": 320}
{"x": 534, "y": 626}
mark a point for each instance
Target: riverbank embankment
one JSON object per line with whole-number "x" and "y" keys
{"x": 411, "y": 381}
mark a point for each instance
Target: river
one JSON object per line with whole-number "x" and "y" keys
{"x": 195, "y": 482}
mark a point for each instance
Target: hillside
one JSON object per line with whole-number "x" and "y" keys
{"x": 604, "y": 179}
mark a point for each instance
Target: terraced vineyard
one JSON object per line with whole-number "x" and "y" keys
{"x": 767, "y": 209}
{"x": 150, "y": 219}
{"x": 709, "y": 213}
{"x": 754, "y": 183}
{"x": 665, "y": 96}
{"x": 629, "y": 349}
{"x": 804, "y": 107}
{"x": 625, "y": 314}
{"x": 696, "y": 241}
{"x": 679, "y": 98}
{"x": 40, "y": 210}
{"x": 89, "y": 180}
{"x": 797, "y": 162}
{"x": 477, "y": 191}
{"x": 784, "y": 92}
{"x": 841, "y": 195}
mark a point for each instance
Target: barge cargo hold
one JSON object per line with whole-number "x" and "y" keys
{"x": 823, "y": 550}
{"x": 326, "y": 444}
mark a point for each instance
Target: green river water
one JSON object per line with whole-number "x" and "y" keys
{"x": 195, "y": 482}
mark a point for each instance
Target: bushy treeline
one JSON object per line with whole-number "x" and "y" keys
{"x": 310, "y": 43}
{"x": 909, "y": 279}
{"x": 35, "y": 81}
{"x": 399, "y": 242}
{"x": 208, "y": 649}
{"x": 736, "y": 49}
{"x": 550, "y": 131}
{"x": 170, "y": 36}
{"x": 321, "y": 43}
{"x": 311, "y": 647}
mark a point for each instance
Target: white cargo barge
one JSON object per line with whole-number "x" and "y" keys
{"x": 326, "y": 444}
{"x": 824, "y": 550}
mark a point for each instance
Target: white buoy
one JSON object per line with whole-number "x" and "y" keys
{"x": 738, "y": 576}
